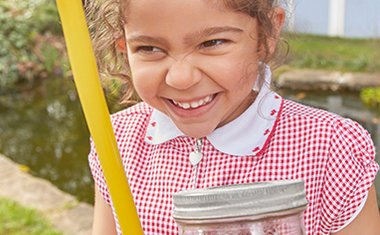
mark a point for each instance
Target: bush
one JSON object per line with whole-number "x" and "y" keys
{"x": 371, "y": 96}
{"x": 22, "y": 24}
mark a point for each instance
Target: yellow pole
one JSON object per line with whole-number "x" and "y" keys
{"x": 94, "y": 106}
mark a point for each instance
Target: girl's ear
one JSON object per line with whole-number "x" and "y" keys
{"x": 277, "y": 16}
{"x": 120, "y": 45}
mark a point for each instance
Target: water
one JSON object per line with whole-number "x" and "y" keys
{"x": 43, "y": 128}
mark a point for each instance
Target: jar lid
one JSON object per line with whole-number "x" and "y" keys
{"x": 239, "y": 200}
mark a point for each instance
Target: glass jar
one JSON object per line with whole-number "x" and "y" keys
{"x": 271, "y": 208}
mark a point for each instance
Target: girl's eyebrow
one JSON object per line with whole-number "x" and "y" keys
{"x": 209, "y": 31}
{"x": 148, "y": 40}
{"x": 188, "y": 39}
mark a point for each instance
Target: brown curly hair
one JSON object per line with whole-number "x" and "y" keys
{"x": 106, "y": 19}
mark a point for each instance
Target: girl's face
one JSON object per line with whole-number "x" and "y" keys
{"x": 193, "y": 60}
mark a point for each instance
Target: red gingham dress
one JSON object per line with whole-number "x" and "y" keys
{"x": 274, "y": 139}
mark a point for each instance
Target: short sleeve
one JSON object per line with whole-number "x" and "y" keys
{"x": 97, "y": 173}
{"x": 351, "y": 170}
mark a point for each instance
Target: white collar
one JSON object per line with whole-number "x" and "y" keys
{"x": 246, "y": 135}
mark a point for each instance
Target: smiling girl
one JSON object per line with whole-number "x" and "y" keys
{"x": 200, "y": 67}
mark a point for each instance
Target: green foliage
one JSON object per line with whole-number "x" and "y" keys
{"x": 17, "y": 220}
{"x": 333, "y": 53}
{"x": 46, "y": 18}
{"x": 22, "y": 24}
{"x": 371, "y": 96}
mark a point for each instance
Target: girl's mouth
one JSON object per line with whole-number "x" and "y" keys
{"x": 194, "y": 104}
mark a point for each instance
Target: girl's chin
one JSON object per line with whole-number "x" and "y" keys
{"x": 195, "y": 131}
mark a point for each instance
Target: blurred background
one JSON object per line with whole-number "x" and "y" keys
{"x": 41, "y": 122}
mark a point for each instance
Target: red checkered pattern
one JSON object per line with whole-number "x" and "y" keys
{"x": 333, "y": 155}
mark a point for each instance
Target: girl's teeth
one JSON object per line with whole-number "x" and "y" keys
{"x": 208, "y": 99}
{"x": 185, "y": 105}
{"x": 194, "y": 104}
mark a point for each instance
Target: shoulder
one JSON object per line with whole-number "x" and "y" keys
{"x": 291, "y": 109}
{"x": 328, "y": 127}
{"x": 138, "y": 110}
{"x": 308, "y": 122}
{"x": 134, "y": 118}
{"x": 295, "y": 112}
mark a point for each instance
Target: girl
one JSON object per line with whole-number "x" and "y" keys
{"x": 209, "y": 118}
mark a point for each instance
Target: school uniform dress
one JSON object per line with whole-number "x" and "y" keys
{"x": 274, "y": 139}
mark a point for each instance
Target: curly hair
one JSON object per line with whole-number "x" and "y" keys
{"x": 107, "y": 18}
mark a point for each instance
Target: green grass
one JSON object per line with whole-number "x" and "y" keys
{"x": 333, "y": 53}
{"x": 18, "y": 220}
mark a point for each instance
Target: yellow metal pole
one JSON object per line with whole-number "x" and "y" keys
{"x": 94, "y": 106}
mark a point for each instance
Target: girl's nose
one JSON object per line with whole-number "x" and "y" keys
{"x": 182, "y": 75}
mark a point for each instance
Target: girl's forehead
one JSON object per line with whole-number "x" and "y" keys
{"x": 158, "y": 6}
{"x": 172, "y": 18}
{"x": 216, "y": 3}
{"x": 183, "y": 23}
{"x": 179, "y": 10}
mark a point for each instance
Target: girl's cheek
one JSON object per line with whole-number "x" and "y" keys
{"x": 145, "y": 80}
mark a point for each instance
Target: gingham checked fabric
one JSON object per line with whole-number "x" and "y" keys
{"x": 333, "y": 155}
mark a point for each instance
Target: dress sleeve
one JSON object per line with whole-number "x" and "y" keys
{"x": 351, "y": 170}
{"x": 97, "y": 173}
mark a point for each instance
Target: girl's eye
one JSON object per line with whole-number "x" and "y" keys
{"x": 149, "y": 53}
{"x": 212, "y": 43}
{"x": 148, "y": 49}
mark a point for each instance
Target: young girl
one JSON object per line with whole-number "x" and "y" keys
{"x": 209, "y": 118}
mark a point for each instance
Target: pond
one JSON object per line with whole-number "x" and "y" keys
{"x": 43, "y": 128}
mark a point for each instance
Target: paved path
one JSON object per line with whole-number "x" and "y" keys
{"x": 327, "y": 80}
{"x": 62, "y": 209}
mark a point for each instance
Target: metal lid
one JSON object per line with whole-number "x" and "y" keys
{"x": 239, "y": 200}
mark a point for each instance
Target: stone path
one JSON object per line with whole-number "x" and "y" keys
{"x": 327, "y": 80}
{"x": 62, "y": 209}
